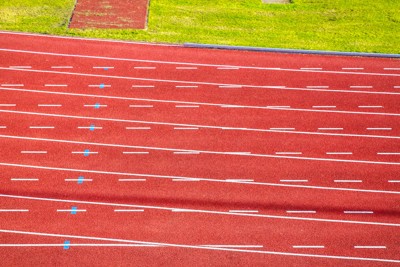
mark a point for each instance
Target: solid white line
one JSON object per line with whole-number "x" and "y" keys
{"x": 13, "y": 210}
{"x": 396, "y": 86}
{"x": 308, "y": 246}
{"x": 311, "y": 68}
{"x": 186, "y": 180}
{"x": 157, "y": 176}
{"x": 294, "y": 181}
{"x": 371, "y": 247}
{"x": 339, "y": 153}
{"x": 239, "y": 180}
{"x": 379, "y": 129}
{"x": 41, "y": 127}
{"x": 282, "y": 129}
{"x": 76, "y": 245}
{"x": 134, "y": 152}
{"x": 244, "y": 211}
{"x": 55, "y": 85}
{"x": 137, "y": 128}
{"x": 357, "y": 212}
{"x": 140, "y": 106}
{"x": 132, "y": 180}
{"x": 33, "y": 152}
{"x": 347, "y": 181}
{"x": 278, "y": 106}
{"x": 24, "y": 179}
{"x": 230, "y": 86}
{"x": 49, "y": 105}
{"x": 301, "y": 211}
{"x": 199, "y": 247}
{"x": 126, "y": 210}
{"x": 389, "y": 153}
{"x": 13, "y": 85}
{"x": 20, "y": 67}
{"x": 195, "y": 64}
{"x": 318, "y": 86}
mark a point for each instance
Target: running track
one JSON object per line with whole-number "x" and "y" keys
{"x": 116, "y": 153}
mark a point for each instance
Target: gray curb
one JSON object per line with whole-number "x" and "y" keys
{"x": 291, "y": 51}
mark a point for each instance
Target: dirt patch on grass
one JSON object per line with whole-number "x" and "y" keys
{"x": 110, "y": 14}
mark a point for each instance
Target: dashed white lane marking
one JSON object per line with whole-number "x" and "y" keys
{"x": 62, "y": 67}
{"x": 244, "y": 211}
{"x": 187, "y": 106}
{"x": 186, "y": 86}
{"x": 145, "y": 68}
{"x": 294, "y": 181}
{"x": 352, "y": 68}
{"x": 3, "y": 127}
{"x": 330, "y": 129}
{"x": 128, "y": 210}
{"x": 308, "y": 246}
{"x": 33, "y": 152}
{"x": 361, "y": 86}
{"x": 311, "y": 68}
{"x": 396, "y": 87}
{"x": 379, "y": 129}
{"x": 391, "y": 68}
{"x": 8, "y": 105}
{"x": 95, "y": 105}
{"x": 186, "y": 180}
{"x": 301, "y": 211}
{"x": 143, "y": 86}
{"x": 104, "y": 67}
{"x": 13, "y": 210}
{"x": 339, "y": 153}
{"x": 358, "y": 212}
{"x": 186, "y": 128}
{"x": 20, "y": 67}
{"x": 56, "y": 85}
{"x": 78, "y": 180}
{"x": 288, "y": 153}
{"x": 370, "y": 106}
{"x": 137, "y": 128}
{"x": 389, "y": 153}
{"x": 13, "y": 85}
{"x": 90, "y": 127}
{"x": 24, "y": 179}
{"x": 370, "y": 247}
{"x": 49, "y": 105}
{"x": 318, "y": 86}
{"x": 186, "y": 68}
{"x": 71, "y": 210}
{"x": 323, "y": 106}
{"x": 131, "y": 180}
{"x": 186, "y": 153}
{"x": 347, "y": 181}
{"x": 135, "y": 152}
{"x": 42, "y": 127}
{"x": 141, "y": 106}
{"x": 393, "y": 181}
{"x": 85, "y": 152}
{"x": 99, "y": 85}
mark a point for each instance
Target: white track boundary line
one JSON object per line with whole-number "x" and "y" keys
{"x": 197, "y": 64}
{"x": 236, "y": 181}
{"x": 201, "y": 83}
{"x": 203, "y": 211}
{"x": 199, "y": 151}
{"x": 198, "y": 126}
{"x": 199, "y": 247}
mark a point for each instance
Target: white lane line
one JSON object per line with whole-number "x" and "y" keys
{"x": 186, "y": 86}
{"x": 244, "y": 211}
{"x": 278, "y": 106}
{"x": 24, "y": 179}
{"x": 308, "y": 246}
{"x": 42, "y": 127}
{"x": 95, "y": 105}
{"x": 137, "y": 128}
{"x": 100, "y": 67}
{"x": 8, "y": 105}
{"x": 49, "y": 105}
{"x": 241, "y": 153}
{"x": 282, "y": 129}
{"x": 393, "y": 181}
{"x": 85, "y": 152}
{"x": 77, "y": 245}
{"x": 71, "y": 210}
{"x": 339, "y": 153}
{"x": 370, "y": 247}
{"x": 135, "y": 152}
{"x": 318, "y": 86}
{"x": 78, "y": 180}
{"x": 99, "y": 85}
{"x": 33, "y": 152}
{"x": 145, "y": 68}
{"x": 288, "y": 153}
{"x": 187, "y": 106}
{"x": 239, "y": 180}
{"x": 186, "y": 68}
{"x": 141, "y": 106}
{"x": 352, "y": 68}
{"x": 348, "y": 181}
{"x": 211, "y": 180}
{"x": 3, "y": 127}
{"x": 391, "y": 68}
{"x": 301, "y": 211}
{"x": 131, "y": 180}
{"x": 186, "y": 180}
{"x": 142, "y": 86}
{"x": 186, "y": 153}
{"x": 128, "y": 210}
{"x": 13, "y": 210}
{"x": 396, "y": 87}
{"x": 56, "y": 85}
{"x": 311, "y": 68}
{"x": 361, "y": 86}
{"x": 330, "y": 129}
{"x": 62, "y": 67}
{"x": 358, "y": 212}
{"x": 191, "y": 63}
{"x": 206, "y": 247}
{"x": 20, "y": 67}
{"x": 294, "y": 181}
{"x": 389, "y": 153}
{"x": 186, "y": 128}
{"x": 379, "y": 129}
{"x": 13, "y": 85}
{"x": 230, "y": 86}
{"x": 370, "y": 106}
{"x": 90, "y": 127}
{"x": 230, "y": 106}
{"x": 323, "y": 106}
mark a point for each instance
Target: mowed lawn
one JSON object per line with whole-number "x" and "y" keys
{"x": 340, "y": 25}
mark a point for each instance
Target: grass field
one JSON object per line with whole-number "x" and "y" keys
{"x": 340, "y": 25}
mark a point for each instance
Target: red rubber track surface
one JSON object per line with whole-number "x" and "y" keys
{"x": 177, "y": 156}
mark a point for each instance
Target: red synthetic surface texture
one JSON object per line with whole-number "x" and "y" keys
{"x": 294, "y": 160}
{"x": 110, "y": 14}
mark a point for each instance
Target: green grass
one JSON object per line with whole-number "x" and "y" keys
{"x": 340, "y": 25}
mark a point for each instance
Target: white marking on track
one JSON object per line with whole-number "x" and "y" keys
{"x": 370, "y": 106}
{"x": 77, "y": 180}
{"x": 282, "y": 129}
{"x": 90, "y": 127}
{"x": 361, "y": 86}
{"x": 301, "y": 211}
{"x": 56, "y": 85}
{"x": 391, "y": 68}
{"x": 312, "y": 247}
{"x": 370, "y": 247}
{"x": 318, "y": 86}
{"x": 233, "y": 246}
{"x": 20, "y": 67}
{"x": 239, "y": 180}
{"x": 323, "y": 106}
{"x": 71, "y": 210}
{"x": 348, "y": 181}
{"x": 49, "y": 105}
{"x": 98, "y": 85}
{"x": 33, "y": 152}
{"x": 95, "y": 105}
{"x": 244, "y": 211}
{"x": 24, "y": 179}
{"x": 379, "y": 129}
{"x": 278, "y": 106}
{"x": 3, "y": 127}
{"x": 84, "y": 152}
{"x": 8, "y": 105}
{"x": 330, "y": 129}
{"x": 145, "y": 68}
{"x": 352, "y": 68}
{"x": 288, "y": 153}
{"x": 100, "y": 67}
{"x": 389, "y": 153}
{"x": 230, "y": 86}
{"x": 186, "y": 180}
{"x": 358, "y": 212}
{"x": 42, "y": 127}
{"x": 13, "y": 85}
{"x": 393, "y": 181}
{"x": 294, "y": 181}
{"x": 339, "y": 153}
{"x": 14, "y": 210}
